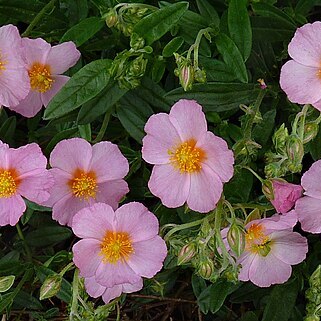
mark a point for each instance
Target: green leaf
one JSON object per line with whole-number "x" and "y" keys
{"x": 6, "y": 282}
{"x": 208, "y": 12}
{"x": 83, "y": 31}
{"x": 24, "y": 300}
{"x": 217, "y": 70}
{"x": 281, "y": 302}
{"x": 249, "y": 316}
{"x": 240, "y": 27}
{"x": 48, "y": 235}
{"x": 6, "y": 300}
{"x": 217, "y": 96}
{"x": 87, "y": 83}
{"x": 198, "y": 285}
{"x": 232, "y": 56}
{"x": 172, "y": 46}
{"x": 155, "y": 25}
{"x": 7, "y": 130}
{"x": 213, "y": 297}
{"x": 263, "y": 130}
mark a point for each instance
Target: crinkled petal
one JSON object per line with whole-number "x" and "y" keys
{"x": 129, "y": 218}
{"x": 246, "y": 260}
{"x": 93, "y": 288}
{"x": 205, "y": 190}
{"x": 309, "y": 212}
{"x": 36, "y": 50}
{"x": 112, "y": 293}
{"x": 63, "y": 56}
{"x": 94, "y": 221}
{"x": 29, "y": 106}
{"x": 130, "y": 288}
{"x": 311, "y": 180}
{"x": 108, "y": 162}
{"x": 161, "y": 138}
{"x": 11, "y": 209}
{"x": 71, "y": 154}
{"x": 86, "y": 256}
{"x": 302, "y": 84}
{"x": 305, "y": 46}
{"x": 171, "y": 186}
{"x": 59, "y": 82}
{"x": 148, "y": 257}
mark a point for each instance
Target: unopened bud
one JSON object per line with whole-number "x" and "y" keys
{"x": 206, "y": 268}
{"x": 187, "y": 252}
{"x": 272, "y": 170}
{"x": 295, "y": 152}
{"x": 262, "y": 83}
{"x": 186, "y": 77}
{"x": 50, "y": 286}
{"x": 137, "y": 67}
{"x": 236, "y": 239}
{"x": 111, "y": 18}
{"x": 310, "y": 131}
{"x": 200, "y": 75}
{"x": 136, "y": 42}
{"x": 267, "y": 189}
{"x": 279, "y": 139}
{"x": 312, "y": 318}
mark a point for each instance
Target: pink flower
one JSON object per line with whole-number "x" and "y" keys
{"x": 117, "y": 248}
{"x": 309, "y": 206}
{"x": 271, "y": 248}
{"x": 22, "y": 174}
{"x": 191, "y": 163}
{"x": 95, "y": 290}
{"x": 85, "y": 175}
{"x": 301, "y": 77}
{"x": 45, "y": 65}
{"x": 285, "y": 195}
{"x": 14, "y": 80}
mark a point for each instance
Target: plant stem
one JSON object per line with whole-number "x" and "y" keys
{"x": 103, "y": 128}
{"x": 75, "y": 291}
{"x": 28, "y": 252}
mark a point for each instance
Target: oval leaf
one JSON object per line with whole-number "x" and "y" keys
{"x": 6, "y": 283}
{"x": 172, "y": 46}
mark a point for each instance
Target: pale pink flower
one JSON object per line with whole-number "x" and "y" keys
{"x": 85, "y": 175}
{"x": 120, "y": 247}
{"x": 22, "y": 174}
{"x": 45, "y": 65}
{"x": 95, "y": 290}
{"x": 309, "y": 206}
{"x": 191, "y": 163}
{"x": 301, "y": 77}
{"x": 14, "y": 80}
{"x": 285, "y": 195}
{"x": 271, "y": 248}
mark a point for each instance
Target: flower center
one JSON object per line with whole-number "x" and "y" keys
{"x": 116, "y": 246}
{"x": 40, "y": 77}
{"x": 8, "y": 184}
{"x": 3, "y": 63}
{"x": 256, "y": 240}
{"x": 84, "y": 185}
{"x": 187, "y": 158}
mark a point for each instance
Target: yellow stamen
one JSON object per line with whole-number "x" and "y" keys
{"x": 187, "y": 158}
{"x": 84, "y": 185}
{"x": 256, "y": 240}
{"x": 8, "y": 183}
{"x": 40, "y": 77}
{"x": 116, "y": 246}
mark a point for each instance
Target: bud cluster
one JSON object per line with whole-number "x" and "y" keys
{"x": 313, "y": 296}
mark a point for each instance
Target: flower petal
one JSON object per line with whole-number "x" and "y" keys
{"x": 36, "y": 50}
{"x": 29, "y": 106}
{"x": 311, "y": 180}
{"x": 59, "y": 82}
{"x": 171, "y": 186}
{"x": 11, "y": 209}
{"x": 112, "y": 293}
{"x": 93, "y": 288}
{"x": 129, "y": 288}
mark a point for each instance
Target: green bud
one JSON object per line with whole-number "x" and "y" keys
{"x": 279, "y": 139}
{"x": 200, "y": 75}
{"x": 187, "y": 252}
{"x": 136, "y": 42}
{"x": 186, "y": 77}
{"x": 310, "y": 131}
{"x": 50, "y": 286}
{"x": 295, "y": 153}
{"x": 111, "y": 18}
{"x": 6, "y": 283}
{"x": 236, "y": 238}
{"x": 206, "y": 268}
{"x": 267, "y": 189}
{"x": 137, "y": 67}
{"x": 273, "y": 170}
{"x": 312, "y": 318}
{"x": 254, "y": 215}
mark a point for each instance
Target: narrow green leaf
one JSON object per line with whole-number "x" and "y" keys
{"x": 232, "y": 56}
{"x": 83, "y": 86}
{"x": 172, "y": 46}
{"x": 83, "y": 31}
{"x": 155, "y": 25}
{"x": 6, "y": 282}
{"x": 25, "y": 300}
{"x": 208, "y": 12}
{"x": 6, "y": 300}
{"x": 217, "y": 70}
{"x": 7, "y": 130}
{"x": 240, "y": 27}
{"x": 249, "y": 316}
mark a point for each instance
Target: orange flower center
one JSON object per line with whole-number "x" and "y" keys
{"x": 3, "y": 63}
{"x": 84, "y": 185}
{"x": 186, "y": 157}
{"x": 8, "y": 183}
{"x": 116, "y": 246}
{"x": 40, "y": 77}
{"x": 257, "y": 241}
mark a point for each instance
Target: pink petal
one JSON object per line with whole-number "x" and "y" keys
{"x": 107, "y": 153}
{"x": 309, "y": 212}
{"x": 30, "y": 106}
{"x": 305, "y": 46}
{"x": 112, "y": 293}
{"x": 205, "y": 190}
{"x": 87, "y": 256}
{"x": 302, "y": 84}
{"x": 113, "y": 274}
{"x": 246, "y": 260}
{"x": 317, "y": 105}
{"x": 129, "y": 288}
{"x": 277, "y": 222}
{"x": 111, "y": 192}
{"x": 71, "y": 154}
{"x": 148, "y": 257}
{"x": 289, "y": 247}
{"x": 188, "y": 119}
{"x": 11, "y": 209}
{"x": 93, "y": 288}
{"x": 36, "y": 50}
{"x": 268, "y": 270}
{"x": 94, "y": 221}
{"x": 311, "y": 180}
{"x": 59, "y": 82}
{"x": 129, "y": 218}
{"x": 171, "y": 186}
{"x": 62, "y": 57}
{"x": 218, "y": 157}
{"x": 161, "y": 137}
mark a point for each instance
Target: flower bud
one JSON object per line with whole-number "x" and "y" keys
{"x": 186, "y": 77}
{"x": 279, "y": 139}
{"x": 136, "y": 42}
{"x": 267, "y": 189}
{"x": 312, "y": 318}
{"x": 273, "y": 170}
{"x": 50, "y": 286}
{"x": 137, "y": 67}
{"x": 187, "y": 252}
{"x": 6, "y": 283}
{"x": 200, "y": 75}
{"x": 111, "y": 18}
{"x": 206, "y": 268}
{"x": 310, "y": 131}
{"x": 236, "y": 239}
{"x": 262, "y": 83}
{"x": 294, "y": 149}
